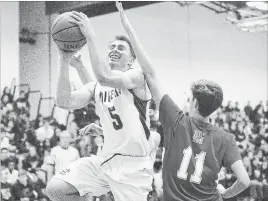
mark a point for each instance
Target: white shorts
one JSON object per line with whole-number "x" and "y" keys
{"x": 128, "y": 178}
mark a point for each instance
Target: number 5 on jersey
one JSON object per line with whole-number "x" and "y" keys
{"x": 200, "y": 158}
{"x": 117, "y": 123}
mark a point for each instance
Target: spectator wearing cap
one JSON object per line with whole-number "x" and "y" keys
{"x": 12, "y": 173}
{"x": 63, "y": 154}
{"x": 5, "y": 187}
{"x": 23, "y": 189}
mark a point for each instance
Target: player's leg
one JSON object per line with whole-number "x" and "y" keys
{"x": 130, "y": 192}
{"x": 129, "y": 178}
{"x": 59, "y": 190}
{"x": 83, "y": 177}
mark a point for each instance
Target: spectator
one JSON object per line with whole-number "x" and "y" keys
{"x": 248, "y": 109}
{"x": 97, "y": 145}
{"x": 11, "y": 172}
{"x": 236, "y": 108}
{"x": 5, "y": 187}
{"x": 23, "y": 189}
{"x": 5, "y": 154}
{"x": 63, "y": 154}
{"x": 39, "y": 121}
{"x": 44, "y": 132}
{"x": 36, "y": 146}
{"x": 228, "y": 108}
{"x": 56, "y": 137}
{"x": 6, "y": 97}
{"x": 32, "y": 160}
{"x": 264, "y": 170}
{"x": 38, "y": 179}
{"x": 86, "y": 144}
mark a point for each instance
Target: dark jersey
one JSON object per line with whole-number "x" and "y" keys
{"x": 195, "y": 151}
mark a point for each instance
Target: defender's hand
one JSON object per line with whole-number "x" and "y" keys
{"x": 84, "y": 23}
{"x": 123, "y": 16}
{"x": 120, "y": 8}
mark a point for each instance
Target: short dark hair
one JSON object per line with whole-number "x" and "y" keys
{"x": 124, "y": 38}
{"x": 209, "y": 96}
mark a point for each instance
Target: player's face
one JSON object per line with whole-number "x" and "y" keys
{"x": 119, "y": 55}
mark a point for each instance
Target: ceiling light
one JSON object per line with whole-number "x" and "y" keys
{"x": 258, "y": 4}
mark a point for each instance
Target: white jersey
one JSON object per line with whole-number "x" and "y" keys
{"x": 125, "y": 121}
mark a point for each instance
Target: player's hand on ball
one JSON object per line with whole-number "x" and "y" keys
{"x": 221, "y": 189}
{"x": 66, "y": 54}
{"x": 76, "y": 62}
{"x": 91, "y": 129}
{"x": 84, "y": 23}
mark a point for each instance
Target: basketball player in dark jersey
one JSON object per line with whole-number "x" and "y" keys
{"x": 195, "y": 150}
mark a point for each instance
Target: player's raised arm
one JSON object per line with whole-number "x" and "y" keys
{"x": 65, "y": 98}
{"x": 142, "y": 57}
{"x": 103, "y": 72}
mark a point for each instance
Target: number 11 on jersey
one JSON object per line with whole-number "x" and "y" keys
{"x": 200, "y": 158}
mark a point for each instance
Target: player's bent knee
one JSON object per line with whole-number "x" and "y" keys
{"x": 56, "y": 189}
{"x": 52, "y": 189}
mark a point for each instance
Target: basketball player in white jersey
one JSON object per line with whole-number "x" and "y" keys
{"x": 124, "y": 165}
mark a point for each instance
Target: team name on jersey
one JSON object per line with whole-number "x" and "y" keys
{"x": 108, "y": 96}
{"x": 198, "y": 137}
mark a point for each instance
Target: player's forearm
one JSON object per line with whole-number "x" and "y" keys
{"x": 63, "y": 94}
{"x": 100, "y": 69}
{"x": 235, "y": 189}
{"x": 144, "y": 61}
{"x": 141, "y": 55}
{"x": 84, "y": 75}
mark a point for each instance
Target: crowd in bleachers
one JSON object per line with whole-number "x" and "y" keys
{"x": 26, "y": 145}
{"x": 250, "y": 127}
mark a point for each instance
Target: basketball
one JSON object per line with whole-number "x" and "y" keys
{"x": 67, "y": 35}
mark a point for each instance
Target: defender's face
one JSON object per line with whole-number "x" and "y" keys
{"x": 119, "y": 54}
